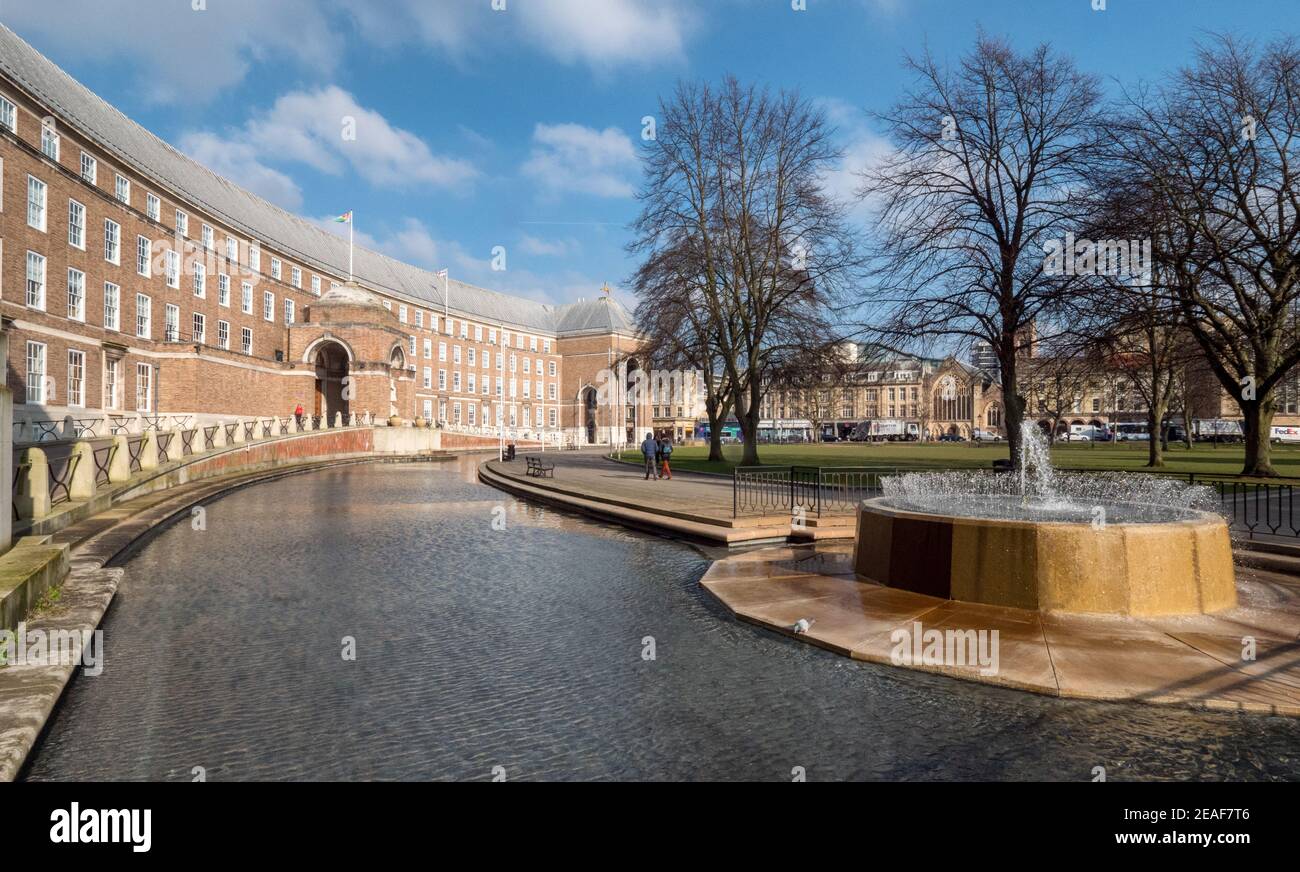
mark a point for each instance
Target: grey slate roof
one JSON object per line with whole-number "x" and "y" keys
{"x": 245, "y": 212}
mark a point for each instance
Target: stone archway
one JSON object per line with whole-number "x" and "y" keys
{"x": 396, "y": 366}
{"x": 332, "y": 393}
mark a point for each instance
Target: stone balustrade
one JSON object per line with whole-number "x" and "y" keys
{"x": 75, "y": 460}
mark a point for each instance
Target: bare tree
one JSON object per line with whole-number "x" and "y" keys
{"x": 1056, "y": 382}
{"x": 991, "y": 165}
{"x": 1219, "y": 146}
{"x": 734, "y": 184}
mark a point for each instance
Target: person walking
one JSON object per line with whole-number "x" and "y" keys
{"x": 297, "y": 415}
{"x": 665, "y": 453}
{"x": 648, "y": 450}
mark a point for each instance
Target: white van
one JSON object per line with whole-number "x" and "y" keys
{"x": 1284, "y": 434}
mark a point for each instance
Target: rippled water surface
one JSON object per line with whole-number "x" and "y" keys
{"x": 522, "y": 648}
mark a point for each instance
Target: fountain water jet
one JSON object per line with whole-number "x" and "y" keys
{"x": 1042, "y": 539}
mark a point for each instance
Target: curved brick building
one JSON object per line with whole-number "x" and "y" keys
{"x": 133, "y": 280}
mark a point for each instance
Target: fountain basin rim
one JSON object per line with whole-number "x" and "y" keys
{"x": 1190, "y": 517}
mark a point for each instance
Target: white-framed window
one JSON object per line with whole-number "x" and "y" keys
{"x": 401, "y": 314}
{"x": 464, "y": 330}
{"x": 532, "y": 343}
{"x": 315, "y": 285}
{"x": 112, "y": 383}
{"x": 413, "y": 352}
{"x": 76, "y": 225}
{"x": 288, "y": 312}
{"x": 455, "y": 413}
{"x": 442, "y": 351}
{"x": 478, "y": 332}
{"x": 455, "y": 381}
{"x": 255, "y": 256}
{"x": 427, "y": 409}
{"x": 499, "y": 386}
{"x": 295, "y": 277}
{"x": 223, "y": 290}
{"x": 472, "y": 411}
{"x": 8, "y": 115}
{"x": 36, "y": 191}
{"x": 546, "y": 346}
{"x": 200, "y": 279}
{"x": 428, "y": 349}
{"x": 112, "y": 242}
{"x": 500, "y": 358}
{"x": 246, "y": 298}
{"x": 172, "y": 268}
{"x": 492, "y": 336}
{"x": 152, "y": 206}
{"x": 200, "y": 327}
{"x": 122, "y": 188}
{"x": 471, "y": 383}
{"x": 232, "y": 250}
{"x": 246, "y": 340}
{"x": 550, "y": 391}
{"x": 223, "y": 334}
{"x": 171, "y": 323}
{"x": 143, "y": 255}
{"x": 76, "y": 377}
{"x": 428, "y": 377}
{"x": 36, "y": 373}
{"x": 50, "y": 142}
{"x": 182, "y": 223}
{"x": 76, "y": 295}
{"x": 112, "y": 306}
{"x": 89, "y": 168}
{"x": 143, "y": 316}
{"x": 143, "y": 387}
{"x": 268, "y": 306}
{"x": 419, "y": 317}
{"x": 550, "y": 369}
{"x": 471, "y": 356}
{"x": 209, "y": 240}
{"x": 275, "y": 268}
{"x": 455, "y": 354}
{"x": 35, "y": 280}
{"x": 442, "y": 379}
{"x": 527, "y": 366}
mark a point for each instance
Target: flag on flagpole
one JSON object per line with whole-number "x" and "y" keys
{"x": 446, "y": 292}
{"x": 345, "y": 218}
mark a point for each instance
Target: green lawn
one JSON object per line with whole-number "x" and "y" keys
{"x": 1206, "y": 459}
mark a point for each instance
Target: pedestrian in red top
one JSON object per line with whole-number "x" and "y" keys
{"x": 297, "y": 414}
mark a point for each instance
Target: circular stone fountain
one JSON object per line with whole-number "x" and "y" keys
{"x": 1038, "y": 539}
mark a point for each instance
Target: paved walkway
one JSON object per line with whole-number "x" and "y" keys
{"x": 689, "y": 504}
{"x": 1195, "y": 661}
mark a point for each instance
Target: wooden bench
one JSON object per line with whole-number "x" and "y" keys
{"x": 539, "y": 468}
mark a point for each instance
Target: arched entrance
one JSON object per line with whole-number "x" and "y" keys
{"x": 589, "y": 414}
{"x": 332, "y": 384}
{"x": 396, "y": 366}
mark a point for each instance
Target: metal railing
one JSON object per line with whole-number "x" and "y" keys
{"x": 814, "y": 490}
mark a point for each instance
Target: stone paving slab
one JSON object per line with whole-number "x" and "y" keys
{"x": 1183, "y": 661}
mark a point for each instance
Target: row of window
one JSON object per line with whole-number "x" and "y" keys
{"x": 36, "y": 299}
{"x": 473, "y": 385}
{"x": 42, "y": 388}
{"x": 471, "y": 417}
{"x": 472, "y": 358}
{"x": 478, "y": 331}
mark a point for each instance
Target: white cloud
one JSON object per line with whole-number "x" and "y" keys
{"x": 411, "y": 242}
{"x": 863, "y": 149}
{"x": 571, "y": 158}
{"x": 177, "y": 53}
{"x": 644, "y": 32}
{"x": 239, "y": 162}
{"x": 546, "y": 247}
{"x": 618, "y": 33}
{"x": 308, "y": 127}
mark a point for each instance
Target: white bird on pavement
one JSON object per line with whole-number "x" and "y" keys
{"x": 803, "y": 625}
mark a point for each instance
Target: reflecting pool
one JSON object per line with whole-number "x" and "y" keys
{"x": 492, "y": 633}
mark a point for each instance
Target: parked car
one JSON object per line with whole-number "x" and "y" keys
{"x": 830, "y": 437}
{"x": 952, "y": 437}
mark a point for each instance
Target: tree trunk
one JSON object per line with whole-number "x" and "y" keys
{"x": 717, "y": 413}
{"x": 749, "y": 424}
{"x": 1015, "y": 409}
{"x": 1156, "y": 442}
{"x": 1257, "y": 420}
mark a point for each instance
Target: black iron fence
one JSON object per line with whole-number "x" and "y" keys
{"x": 1250, "y": 508}
{"x": 814, "y": 490}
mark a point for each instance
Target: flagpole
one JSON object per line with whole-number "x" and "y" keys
{"x": 351, "y": 221}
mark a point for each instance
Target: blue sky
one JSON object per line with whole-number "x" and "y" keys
{"x": 478, "y": 128}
